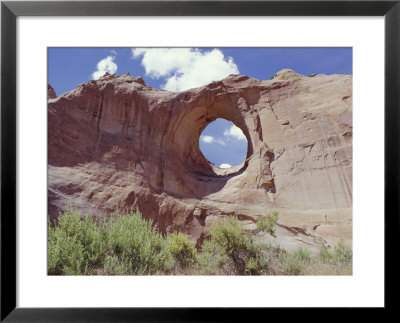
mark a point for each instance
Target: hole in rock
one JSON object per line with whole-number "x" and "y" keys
{"x": 223, "y": 144}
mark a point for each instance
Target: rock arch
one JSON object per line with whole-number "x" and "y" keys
{"x": 118, "y": 142}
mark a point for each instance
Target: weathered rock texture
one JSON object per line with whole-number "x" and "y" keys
{"x": 117, "y": 142}
{"x": 51, "y": 94}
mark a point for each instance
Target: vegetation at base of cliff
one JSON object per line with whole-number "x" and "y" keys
{"x": 123, "y": 245}
{"x": 230, "y": 249}
{"x": 130, "y": 245}
{"x": 268, "y": 222}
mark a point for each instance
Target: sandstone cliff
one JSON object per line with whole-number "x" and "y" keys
{"x": 117, "y": 142}
{"x": 51, "y": 94}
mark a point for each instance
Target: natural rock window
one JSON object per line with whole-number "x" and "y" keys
{"x": 223, "y": 144}
{"x": 118, "y": 142}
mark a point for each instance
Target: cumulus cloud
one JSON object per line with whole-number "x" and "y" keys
{"x": 225, "y": 165}
{"x": 234, "y": 132}
{"x": 185, "y": 68}
{"x": 105, "y": 65}
{"x": 207, "y": 139}
{"x": 210, "y": 140}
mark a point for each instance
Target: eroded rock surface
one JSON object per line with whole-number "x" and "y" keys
{"x": 51, "y": 94}
{"x": 118, "y": 143}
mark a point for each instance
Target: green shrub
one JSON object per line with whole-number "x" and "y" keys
{"x": 228, "y": 238}
{"x": 74, "y": 245}
{"x": 326, "y": 256}
{"x": 183, "y": 250}
{"x": 343, "y": 253}
{"x": 340, "y": 254}
{"x": 294, "y": 262}
{"x": 267, "y": 223}
{"x": 292, "y": 266}
{"x": 257, "y": 265}
{"x": 302, "y": 254}
{"x": 212, "y": 259}
{"x": 228, "y": 245}
{"x": 138, "y": 245}
{"x": 125, "y": 245}
{"x": 252, "y": 266}
{"x": 116, "y": 266}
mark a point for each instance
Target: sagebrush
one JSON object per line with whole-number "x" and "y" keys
{"x": 127, "y": 244}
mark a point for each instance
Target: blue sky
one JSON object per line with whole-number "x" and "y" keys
{"x": 177, "y": 69}
{"x": 223, "y": 143}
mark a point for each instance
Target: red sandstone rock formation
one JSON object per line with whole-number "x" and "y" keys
{"x": 51, "y": 94}
{"x": 118, "y": 143}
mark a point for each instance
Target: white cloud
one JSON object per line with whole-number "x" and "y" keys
{"x": 185, "y": 68}
{"x": 105, "y": 65}
{"x": 210, "y": 139}
{"x": 225, "y": 165}
{"x": 207, "y": 139}
{"x": 234, "y": 132}
{"x": 113, "y": 51}
{"x": 221, "y": 142}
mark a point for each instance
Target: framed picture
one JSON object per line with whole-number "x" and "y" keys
{"x": 31, "y": 31}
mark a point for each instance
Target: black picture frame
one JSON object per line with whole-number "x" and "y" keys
{"x": 10, "y": 10}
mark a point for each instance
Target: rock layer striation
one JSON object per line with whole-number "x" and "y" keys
{"x": 118, "y": 143}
